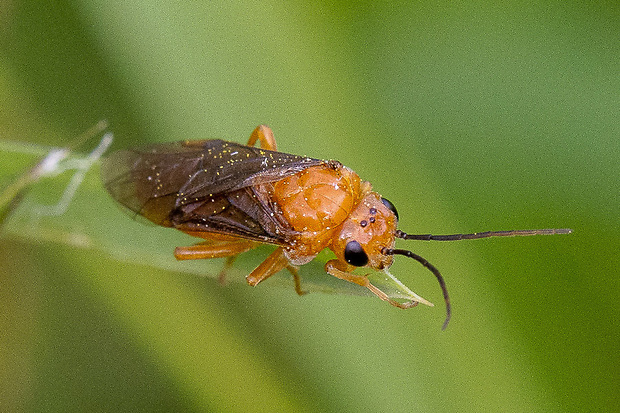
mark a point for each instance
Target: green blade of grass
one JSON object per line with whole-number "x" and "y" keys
{"x": 93, "y": 220}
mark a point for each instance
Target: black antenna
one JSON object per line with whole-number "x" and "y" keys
{"x": 478, "y": 235}
{"x": 434, "y": 270}
{"x": 458, "y": 237}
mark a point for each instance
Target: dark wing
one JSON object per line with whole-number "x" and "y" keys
{"x": 189, "y": 184}
{"x": 245, "y": 213}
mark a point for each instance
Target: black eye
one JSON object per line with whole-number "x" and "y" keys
{"x": 390, "y": 206}
{"x": 354, "y": 254}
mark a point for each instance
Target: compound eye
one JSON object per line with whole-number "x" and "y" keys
{"x": 354, "y": 254}
{"x": 390, "y": 206}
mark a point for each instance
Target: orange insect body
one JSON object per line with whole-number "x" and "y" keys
{"x": 328, "y": 206}
{"x": 237, "y": 197}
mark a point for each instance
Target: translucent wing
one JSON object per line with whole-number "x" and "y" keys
{"x": 196, "y": 186}
{"x": 243, "y": 213}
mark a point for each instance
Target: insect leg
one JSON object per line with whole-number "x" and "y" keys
{"x": 221, "y": 278}
{"x": 275, "y": 262}
{"x": 335, "y": 268}
{"x": 295, "y": 271}
{"x": 264, "y": 135}
{"x": 210, "y": 249}
{"x": 332, "y": 268}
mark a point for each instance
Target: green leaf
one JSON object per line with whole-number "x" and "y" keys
{"x": 60, "y": 208}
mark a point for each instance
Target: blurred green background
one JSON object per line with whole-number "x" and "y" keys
{"x": 468, "y": 116}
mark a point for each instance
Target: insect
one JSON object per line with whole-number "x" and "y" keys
{"x": 237, "y": 197}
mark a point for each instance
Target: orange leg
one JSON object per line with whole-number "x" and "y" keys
{"x": 215, "y": 249}
{"x": 221, "y": 278}
{"x": 211, "y": 249}
{"x": 338, "y": 270}
{"x": 275, "y": 262}
{"x": 295, "y": 271}
{"x": 264, "y": 135}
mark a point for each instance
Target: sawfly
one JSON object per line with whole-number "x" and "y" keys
{"x": 236, "y": 197}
